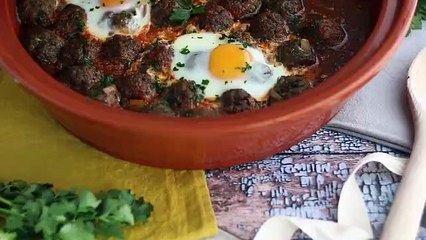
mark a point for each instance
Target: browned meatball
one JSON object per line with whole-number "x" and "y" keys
{"x": 161, "y": 12}
{"x": 332, "y": 33}
{"x": 268, "y": 26}
{"x": 298, "y": 53}
{"x": 160, "y": 108}
{"x": 241, "y": 9}
{"x": 181, "y": 96}
{"x": 160, "y": 56}
{"x": 136, "y": 86}
{"x": 81, "y": 78}
{"x": 36, "y": 12}
{"x": 288, "y": 87}
{"x": 286, "y": 7}
{"x": 216, "y": 18}
{"x": 44, "y": 46}
{"x": 78, "y": 51}
{"x": 121, "y": 49}
{"x": 238, "y": 100}
{"x": 71, "y": 21}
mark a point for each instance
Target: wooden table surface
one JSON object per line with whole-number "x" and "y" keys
{"x": 304, "y": 181}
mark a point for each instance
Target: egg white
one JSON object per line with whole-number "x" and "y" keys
{"x": 98, "y": 23}
{"x": 258, "y": 80}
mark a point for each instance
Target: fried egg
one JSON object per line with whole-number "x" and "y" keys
{"x": 221, "y": 64}
{"x": 100, "y": 14}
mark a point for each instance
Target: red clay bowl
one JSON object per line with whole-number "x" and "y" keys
{"x": 183, "y": 143}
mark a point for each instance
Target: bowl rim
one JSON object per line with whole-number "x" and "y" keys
{"x": 356, "y": 73}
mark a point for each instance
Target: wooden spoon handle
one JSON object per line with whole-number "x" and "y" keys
{"x": 407, "y": 209}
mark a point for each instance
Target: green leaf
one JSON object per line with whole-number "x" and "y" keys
{"x": 76, "y": 230}
{"x": 180, "y": 15}
{"x": 7, "y": 236}
{"x": 14, "y": 223}
{"x": 142, "y": 211}
{"x": 109, "y": 230}
{"x": 419, "y": 16}
{"x": 88, "y": 201}
{"x": 198, "y": 10}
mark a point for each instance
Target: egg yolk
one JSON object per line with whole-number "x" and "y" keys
{"x": 112, "y": 3}
{"x": 229, "y": 61}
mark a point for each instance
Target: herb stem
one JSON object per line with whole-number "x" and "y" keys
{"x": 4, "y": 211}
{"x": 5, "y": 201}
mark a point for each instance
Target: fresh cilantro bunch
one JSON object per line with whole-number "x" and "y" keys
{"x": 420, "y": 15}
{"x": 36, "y": 211}
{"x": 187, "y": 9}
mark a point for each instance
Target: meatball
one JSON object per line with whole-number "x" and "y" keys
{"x": 288, "y": 87}
{"x": 182, "y": 96}
{"x": 36, "y": 12}
{"x": 241, "y": 9}
{"x": 216, "y": 18}
{"x": 44, "y": 46}
{"x": 238, "y": 100}
{"x": 269, "y": 26}
{"x": 81, "y": 78}
{"x": 297, "y": 53}
{"x": 121, "y": 49}
{"x": 286, "y": 8}
{"x": 78, "y": 51}
{"x": 160, "y": 56}
{"x": 161, "y": 12}
{"x": 160, "y": 108}
{"x": 136, "y": 86}
{"x": 332, "y": 33}
{"x": 71, "y": 21}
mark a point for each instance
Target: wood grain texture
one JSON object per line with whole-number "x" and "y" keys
{"x": 304, "y": 181}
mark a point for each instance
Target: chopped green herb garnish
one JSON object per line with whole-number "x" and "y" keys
{"x": 179, "y": 64}
{"x": 129, "y": 64}
{"x": 185, "y": 50}
{"x": 106, "y": 80}
{"x": 245, "y": 68}
{"x": 81, "y": 25}
{"x": 156, "y": 66}
{"x": 175, "y": 69}
{"x": 186, "y": 9}
{"x": 87, "y": 61}
{"x": 205, "y": 82}
{"x": 159, "y": 85}
{"x": 222, "y": 37}
{"x": 37, "y": 211}
{"x": 226, "y": 82}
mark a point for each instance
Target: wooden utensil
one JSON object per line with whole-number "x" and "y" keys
{"x": 407, "y": 209}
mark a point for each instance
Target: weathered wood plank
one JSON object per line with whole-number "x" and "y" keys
{"x": 303, "y": 181}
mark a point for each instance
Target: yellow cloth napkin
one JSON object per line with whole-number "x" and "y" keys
{"x": 33, "y": 147}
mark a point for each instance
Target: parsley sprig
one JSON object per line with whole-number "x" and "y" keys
{"x": 36, "y": 211}
{"x": 186, "y": 9}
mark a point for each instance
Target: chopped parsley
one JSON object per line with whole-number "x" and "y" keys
{"x": 420, "y": 15}
{"x": 156, "y": 66}
{"x": 175, "y": 69}
{"x": 205, "y": 82}
{"x": 185, "y": 10}
{"x": 181, "y": 65}
{"x": 159, "y": 85}
{"x": 106, "y": 80}
{"x": 81, "y": 25}
{"x": 185, "y": 50}
{"x": 245, "y": 68}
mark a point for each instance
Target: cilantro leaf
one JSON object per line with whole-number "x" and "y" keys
{"x": 37, "y": 211}
{"x": 187, "y": 9}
